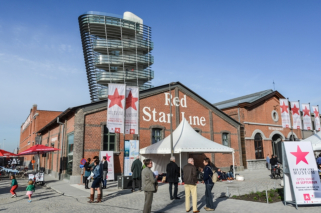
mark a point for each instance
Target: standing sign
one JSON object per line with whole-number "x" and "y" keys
{"x": 132, "y": 104}
{"x": 115, "y": 108}
{"x": 315, "y": 109}
{"x": 131, "y": 152}
{"x": 307, "y": 124}
{"x": 284, "y": 105}
{"x": 110, "y": 160}
{"x": 296, "y": 118}
{"x": 301, "y": 179}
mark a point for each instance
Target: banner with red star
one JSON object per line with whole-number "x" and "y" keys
{"x": 116, "y": 108}
{"x": 132, "y": 104}
{"x": 296, "y": 118}
{"x": 110, "y": 161}
{"x": 315, "y": 110}
{"x": 285, "y": 115}
{"x": 307, "y": 123}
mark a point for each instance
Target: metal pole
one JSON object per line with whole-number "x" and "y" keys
{"x": 290, "y": 110}
{"x": 170, "y": 112}
{"x": 301, "y": 118}
{"x": 233, "y": 165}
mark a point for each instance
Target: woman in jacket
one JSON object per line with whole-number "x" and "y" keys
{"x": 87, "y": 172}
{"x": 149, "y": 181}
{"x": 96, "y": 183}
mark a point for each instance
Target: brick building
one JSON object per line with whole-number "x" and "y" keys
{"x": 82, "y": 131}
{"x": 36, "y": 120}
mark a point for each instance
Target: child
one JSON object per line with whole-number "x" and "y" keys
{"x": 14, "y": 186}
{"x": 30, "y": 189}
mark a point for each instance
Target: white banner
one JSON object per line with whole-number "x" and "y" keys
{"x": 285, "y": 115}
{"x": 116, "y": 108}
{"x": 131, "y": 152}
{"x": 315, "y": 110}
{"x": 304, "y": 173}
{"x": 296, "y": 117}
{"x": 110, "y": 160}
{"x": 307, "y": 124}
{"x": 132, "y": 104}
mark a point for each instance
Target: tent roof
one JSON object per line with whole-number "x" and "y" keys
{"x": 185, "y": 139}
{"x": 315, "y": 141}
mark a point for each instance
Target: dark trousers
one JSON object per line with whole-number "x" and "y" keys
{"x": 104, "y": 179}
{"x": 175, "y": 190}
{"x": 148, "y": 202}
{"x": 136, "y": 181}
{"x": 209, "y": 196}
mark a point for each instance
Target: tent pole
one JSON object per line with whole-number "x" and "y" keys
{"x": 180, "y": 165}
{"x": 233, "y": 164}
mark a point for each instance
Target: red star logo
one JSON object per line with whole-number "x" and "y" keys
{"x": 117, "y": 130}
{"x": 316, "y": 113}
{"x": 295, "y": 110}
{"x": 306, "y": 111}
{"x": 284, "y": 108}
{"x": 300, "y": 156}
{"x": 132, "y": 131}
{"x": 108, "y": 157}
{"x": 130, "y": 101}
{"x": 116, "y": 99}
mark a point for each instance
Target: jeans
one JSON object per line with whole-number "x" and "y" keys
{"x": 104, "y": 179}
{"x": 209, "y": 196}
{"x": 175, "y": 190}
{"x": 229, "y": 174}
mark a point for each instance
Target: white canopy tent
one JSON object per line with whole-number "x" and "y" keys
{"x": 315, "y": 141}
{"x": 185, "y": 140}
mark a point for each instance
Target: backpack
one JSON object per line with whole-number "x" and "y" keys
{"x": 214, "y": 176}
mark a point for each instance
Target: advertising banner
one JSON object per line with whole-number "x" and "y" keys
{"x": 38, "y": 177}
{"x": 285, "y": 115}
{"x": 315, "y": 110}
{"x": 307, "y": 124}
{"x": 116, "y": 108}
{"x": 132, "y": 104}
{"x": 131, "y": 152}
{"x": 304, "y": 187}
{"x": 296, "y": 117}
{"x": 110, "y": 160}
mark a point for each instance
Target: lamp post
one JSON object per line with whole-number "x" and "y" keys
{"x": 170, "y": 112}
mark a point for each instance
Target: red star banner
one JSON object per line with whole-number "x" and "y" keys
{"x": 285, "y": 116}
{"x": 296, "y": 118}
{"x": 116, "y": 108}
{"x": 307, "y": 123}
{"x": 110, "y": 161}
{"x": 315, "y": 110}
{"x": 132, "y": 104}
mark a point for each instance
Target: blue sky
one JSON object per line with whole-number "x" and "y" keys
{"x": 219, "y": 49}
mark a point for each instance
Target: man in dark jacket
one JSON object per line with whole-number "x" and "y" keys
{"x": 207, "y": 178}
{"x": 137, "y": 171}
{"x": 172, "y": 173}
{"x": 190, "y": 180}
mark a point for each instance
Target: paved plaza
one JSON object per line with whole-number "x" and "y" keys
{"x": 59, "y": 196}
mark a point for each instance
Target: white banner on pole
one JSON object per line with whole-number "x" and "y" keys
{"x": 132, "y": 104}
{"x": 110, "y": 160}
{"x": 131, "y": 152}
{"x": 315, "y": 110}
{"x": 284, "y": 106}
{"x": 116, "y": 107}
{"x": 307, "y": 124}
{"x": 296, "y": 117}
{"x": 306, "y": 187}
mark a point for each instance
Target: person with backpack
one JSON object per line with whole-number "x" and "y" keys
{"x": 209, "y": 184}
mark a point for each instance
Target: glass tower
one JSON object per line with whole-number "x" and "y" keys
{"x": 116, "y": 50}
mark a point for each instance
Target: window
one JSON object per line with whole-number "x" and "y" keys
{"x": 225, "y": 139}
{"x": 292, "y": 138}
{"x": 157, "y": 135}
{"x": 114, "y": 52}
{"x": 275, "y": 115}
{"x": 70, "y": 152}
{"x": 109, "y": 140}
{"x": 258, "y": 146}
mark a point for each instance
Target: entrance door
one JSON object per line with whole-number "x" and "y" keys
{"x": 277, "y": 146}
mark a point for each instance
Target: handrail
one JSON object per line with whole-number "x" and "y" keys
{"x": 113, "y": 59}
{"x": 126, "y": 43}
{"x": 127, "y": 75}
{"x": 103, "y": 93}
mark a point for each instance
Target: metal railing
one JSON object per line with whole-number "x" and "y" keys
{"x": 120, "y": 59}
{"x": 142, "y": 75}
{"x": 125, "y": 43}
{"x": 103, "y": 93}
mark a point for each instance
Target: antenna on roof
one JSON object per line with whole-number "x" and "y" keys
{"x": 273, "y": 85}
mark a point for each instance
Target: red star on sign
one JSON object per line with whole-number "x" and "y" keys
{"x": 316, "y": 113}
{"x": 295, "y": 110}
{"x": 300, "y": 156}
{"x": 284, "y": 108}
{"x": 108, "y": 157}
{"x": 130, "y": 101}
{"x": 306, "y": 111}
{"x": 116, "y": 99}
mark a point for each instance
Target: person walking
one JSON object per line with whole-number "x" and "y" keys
{"x": 190, "y": 180}
{"x": 105, "y": 171}
{"x": 14, "y": 186}
{"x": 96, "y": 183}
{"x": 30, "y": 189}
{"x": 87, "y": 172}
{"x": 268, "y": 162}
{"x": 149, "y": 181}
{"x": 172, "y": 173}
{"x": 136, "y": 170}
{"x": 319, "y": 160}
{"x": 207, "y": 179}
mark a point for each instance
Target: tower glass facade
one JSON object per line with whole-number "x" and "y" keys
{"x": 116, "y": 50}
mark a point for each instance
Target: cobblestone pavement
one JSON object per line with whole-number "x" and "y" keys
{"x": 114, "y": 200}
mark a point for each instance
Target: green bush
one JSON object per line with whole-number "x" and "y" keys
{"x": 254, "y": 198}
{"x": 259, "y": 194}
{"x": 234, "y": 196}
{"x": 270, "y": 200}
{"x": 272, "y": 194}
{"x": 280, "y": 197}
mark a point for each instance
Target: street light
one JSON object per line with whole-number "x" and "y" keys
{"x": 170, "y": 112}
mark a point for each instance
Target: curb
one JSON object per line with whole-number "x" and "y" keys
{"x": 56, "y": 190}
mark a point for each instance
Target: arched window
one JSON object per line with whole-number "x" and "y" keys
{"x": 258, "y": 146}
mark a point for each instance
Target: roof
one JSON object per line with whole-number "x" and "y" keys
{"x": 315, "y": 141}
{"x": 243, "y": 99}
